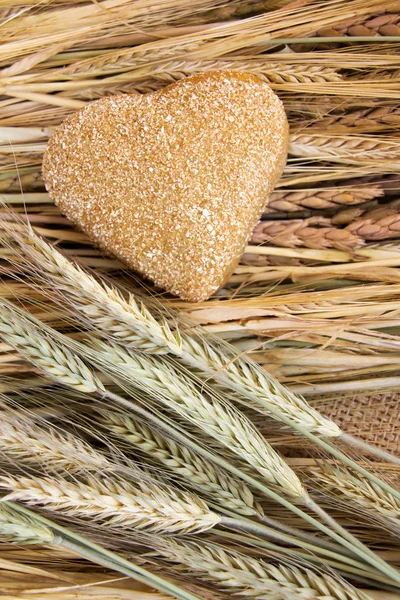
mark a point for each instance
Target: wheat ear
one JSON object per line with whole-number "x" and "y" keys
{"x": 232, "y": 430}
{"x": 218, "y": 420}
{"x": 59, "y": 344}
{"x": 124, "y": 320}
{"x": 344, "y": 484}
{"x": 253, "y": 386}
{"x": 99, "y": 306}
{"x": 17, "y": 528}
{"x": 343, "y": 148}
{"x": 115, "y": 503}
{"x": 61, "y": 365}
{"x": 243, "y": 575}
{"x": 262, "y": 392}
{"x": 23, "y": 440}
{"x": 265, "y": 462}
{"x": 320, "y": 199}
{"x": 21, "y": 525}
{"x": 199, "y": 473}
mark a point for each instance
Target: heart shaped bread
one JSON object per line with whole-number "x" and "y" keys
{"x": 172, "y": 183}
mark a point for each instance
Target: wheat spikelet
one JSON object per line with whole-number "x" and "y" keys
{"x": 315, "y": 232}
{"x": 384, "y": 24}
{"x": 59, "y": 363}
{"x": 252, "y": 578}
{"x": 125, "y": 320}
{"x": 347, "y": 149}
{"x": 116, "y": 503}
{"x": 24, "y": 441}
{"x": 218, "y": 420}
{"x": 200, "y": 473}
{"x": 259, "y": 389}
{"x": 17, "y": 528}
{"x": 346, "y": 485}
{"x": 380, "y": 224}
{"x": 320, "y": 199}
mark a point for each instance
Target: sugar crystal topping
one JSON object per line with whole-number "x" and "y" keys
{"x": 173, "y": 182}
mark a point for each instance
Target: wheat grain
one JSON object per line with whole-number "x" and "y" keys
{"x": 17, "y": 528}
{"x": 60, "y": 363}
{"x": 198, "y": 472}
{"x": 217, "y": 419}
{"x": 315, "y": 232}
{"x": 125, "y": 320}
{"x": 23, "y": 440}
{"x": 379, "y": 224}
{"x": 252, "y": 578}
{"x": 346, "y": 485}
{"x": 382, "y": 24}
{"x": 115, "y": 503}
{"x": 320, "y": 199}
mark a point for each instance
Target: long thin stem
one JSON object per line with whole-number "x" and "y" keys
{"x": 365, "y": 447}
{"x": 360, "y": 573}
{"x": 104, "y": 557}
{"x": 373, "y": 558}
{"x": 271, "y": 534}
{"x": 280, "y": 415}
{"x": 355, "y": 546}
{"x": 303, "y": 536}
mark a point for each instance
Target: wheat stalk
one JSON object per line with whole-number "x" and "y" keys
{"x": 344, "y": 484}
{"x": 218, "y": 420}
{"x": 115, "y": 503}
{"x": 238, "y": 434}
{"x": 125, "y": 320}
{"x": 20, "y": 529}
{"x": 24, "y": 441}
{"x": 198, "y": 472}
{"x": 320, "y": 199}
{"x": 197, "y": 354}
{"x": 61, "y": 365}
{"x": 341, "y": 148}
{"x": 252, "y": 578}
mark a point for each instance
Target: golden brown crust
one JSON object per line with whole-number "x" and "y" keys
{"x": 173, "y": 182}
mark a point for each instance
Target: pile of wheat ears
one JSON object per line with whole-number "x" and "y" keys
{"x": 247, "y": 446}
